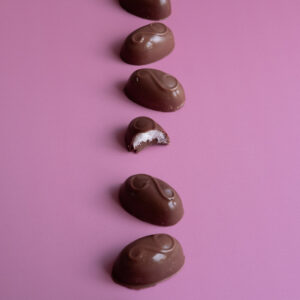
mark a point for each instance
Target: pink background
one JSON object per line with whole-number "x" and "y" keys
{"x": 234, "y": 154}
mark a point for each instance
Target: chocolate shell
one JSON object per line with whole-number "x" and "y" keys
{"x": 148, "y": 44}
{"x": 151, "y": 200}
{"x": 148, "y": 9}
{"x": 143, "y": 131}
{"x": 147, "y": 261}
{"x": 155, "y": 89}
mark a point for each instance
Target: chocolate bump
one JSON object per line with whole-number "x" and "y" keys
{"x": 147, "y": 261}
{"x": 155, "y": 89}
{"x": 151, "y": 200}
{"x": 147, "y": 44}
{"x": 148, "y": 9}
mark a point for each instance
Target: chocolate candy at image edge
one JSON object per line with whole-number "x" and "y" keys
{"x": 151, "y": 200}
{"x": 147, "y": 44}
{"x": 155, "y": 89}
{"x": 143, "y": 131}
{"x": 147, "y": 261}
{"x": 148, "y": 9}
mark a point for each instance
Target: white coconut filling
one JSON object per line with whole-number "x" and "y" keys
{"x": 150, "y": 136}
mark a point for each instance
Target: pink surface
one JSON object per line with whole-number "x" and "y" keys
{"x": 234, "y": 156}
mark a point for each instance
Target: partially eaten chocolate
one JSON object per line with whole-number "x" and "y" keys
{"x": 143, "y": 131}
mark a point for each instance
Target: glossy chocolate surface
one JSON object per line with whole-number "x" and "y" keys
{"x": 148, "y": 44}
{"x": 148, "y": 9}
{"x": 147, "y": 261}
{"x": 151, "y": 200}
{"x": 143, "y": 131}
{"x": 155, "y": 89}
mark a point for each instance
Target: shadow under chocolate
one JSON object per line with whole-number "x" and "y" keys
{"x": 115, "y": 48}
{"x": 107, "y": 261}
{"x": 119, "y": 134}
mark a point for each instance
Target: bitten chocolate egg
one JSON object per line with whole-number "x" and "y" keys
{"x": 143, "y": 131}
{"x": 155, "y": 89}
{"x": 148, "y": 44}
{"x": 148, "y": 9}
{"x": 151, "y": 200}
{"x": 147, "y": 261}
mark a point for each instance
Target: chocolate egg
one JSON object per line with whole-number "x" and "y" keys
{"x": 148, "y": 9}
{"x": 147, "y": 261}
{"x": 143, "y": 131}
{"x": 155, "y": 89}
{"x": 148, "y": 44}
{"x": 152, "y": 200}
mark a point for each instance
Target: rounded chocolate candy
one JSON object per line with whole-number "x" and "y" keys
{"x": 155, "y": 89}
{"x": 147, "y": 261}
{"x": 148, "y": 44}
{"x": 143, "y": 131}
{"x": 151, "y": 200}
{"x": 148, "y": 9}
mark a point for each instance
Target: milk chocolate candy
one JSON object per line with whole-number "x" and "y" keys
{"x": 143, "y": 131}
{"x": 148, "y": 9}
{"x": 151, "y": 200}
{"x": 155, "y": 89}
{"x": 147, "y": 261}
{"x": 147, "y": 44}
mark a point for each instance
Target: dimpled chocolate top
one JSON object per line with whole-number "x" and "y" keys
{"x": 142, "y": 125}
{"x": 148, "y": 44}
{"x": 147, "y": 261}
{"x": 148, "y": 9}
{"x": 155, "y": 89}
{"x": 151, "y": 200}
